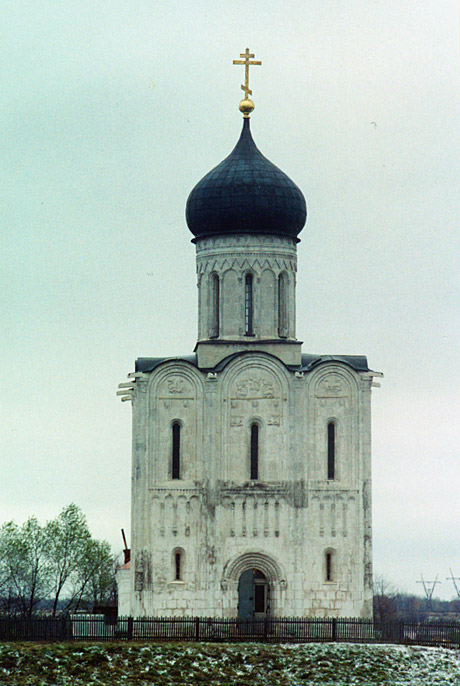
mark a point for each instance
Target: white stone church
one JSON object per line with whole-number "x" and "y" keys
{"x": 251, "y": 464}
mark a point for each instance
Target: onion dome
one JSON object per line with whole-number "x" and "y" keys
{"x": 246, "y": 193}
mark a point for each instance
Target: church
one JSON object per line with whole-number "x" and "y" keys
{"x": 251, "y": 463}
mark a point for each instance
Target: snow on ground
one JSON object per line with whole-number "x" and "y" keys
{"x": 226, "y": 665}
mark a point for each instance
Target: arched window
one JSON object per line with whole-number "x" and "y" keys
{"x": 282, "y": 305}
{"x": 331, "y": 450}
{"x": 329, "y": 571}
{"x": 177, "y": 566}
{"x": 178, "y": 559}
{"x": 248, "y": 305}
{"x": 215, "y": 306}
{"x": 254, "y": 452}
{"x": 175, "y": 462}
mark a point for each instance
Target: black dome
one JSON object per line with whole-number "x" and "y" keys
{"x": 246, "y": 193}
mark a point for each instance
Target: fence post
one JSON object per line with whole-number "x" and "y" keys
{"x": 66, "y": 628}
{"x": 130, "y": 627}
{"x": 334, "y": 628}
{"x": 265, "y": 627}
{"x": 197, "y": 628}
{"x": 401, "y": 631}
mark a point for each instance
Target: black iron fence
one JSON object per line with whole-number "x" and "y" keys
{"x": 19, "y": 628}
{"x": 269, "y": 629}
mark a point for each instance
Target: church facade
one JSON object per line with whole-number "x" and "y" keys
{"x": 251, "y": 465}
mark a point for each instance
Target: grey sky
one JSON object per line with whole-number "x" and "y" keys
{"x": 110, "y": 113}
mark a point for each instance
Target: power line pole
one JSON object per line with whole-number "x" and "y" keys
{"x": 428, "y": 587}
{"x": 454, "y": 580}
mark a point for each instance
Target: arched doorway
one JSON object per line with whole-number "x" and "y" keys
{"x": 253, "y": 595}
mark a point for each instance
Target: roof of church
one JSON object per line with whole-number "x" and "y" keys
{"x": 246, "y": 193}
{"x": 357, "y": 362}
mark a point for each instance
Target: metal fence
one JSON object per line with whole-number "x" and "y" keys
{"x": 19, "y": 628}
{"x": 270, "y": 629}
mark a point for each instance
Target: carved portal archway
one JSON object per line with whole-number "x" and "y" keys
{"x": 253, "y": 560}
{"x": 259, "y": 562}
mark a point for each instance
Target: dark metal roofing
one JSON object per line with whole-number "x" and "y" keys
{"x": 246, "y": 193}
{"x": 309, "y": 362}
{"x": 148, "y": 364}
{"x": 358, "y": 362}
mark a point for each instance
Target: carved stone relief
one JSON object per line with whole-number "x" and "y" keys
{"x": 175, "y": 514}
{"x": 236, "y": 421}
{"x": 251, "y": 517}
{"x": 332, "y": 389}
{"x": 332, "y": 386}
{"x": 255, "y": 386}
{"x": 233, "y": 261}
{"x": 175, "y": 387}
{"x": 274, "y": 420}
{"x": 259, "y": 391}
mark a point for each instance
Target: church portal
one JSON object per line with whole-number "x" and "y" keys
{"x": 253, "y": 595}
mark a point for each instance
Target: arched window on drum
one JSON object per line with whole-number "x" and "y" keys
{"x": 214, "y": 297}
{"x": 249, "y": 305}
{"x": 282, "y": 305}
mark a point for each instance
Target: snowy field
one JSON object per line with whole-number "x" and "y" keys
{"x": 224, "y": 665}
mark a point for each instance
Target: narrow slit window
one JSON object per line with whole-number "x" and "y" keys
{"x": 215, "y": 303}
{"x": 178, "y": 566}
{"x": 254, "y": 452}
{"x": 249, "y": 305}
{"x": 282, "y": 306}
{"x": 176, "y": 450}
{"x": 328, "y": 566}
{"x": 331, "y": 451}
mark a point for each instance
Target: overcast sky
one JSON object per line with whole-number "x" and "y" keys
{"x": 111, "y": 111}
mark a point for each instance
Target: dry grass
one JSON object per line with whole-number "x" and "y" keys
{"x": 139, "y": 664}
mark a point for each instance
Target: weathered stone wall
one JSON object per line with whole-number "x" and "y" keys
{"x": 231, "y": 258}
{"x": 123, "y": 577}
{"x": 220, "y": 521}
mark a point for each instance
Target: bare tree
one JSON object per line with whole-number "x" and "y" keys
{"x": 94, "y": 581}
{"x": 25, "y": 565}
{"x": 385, "y": 594}
{"x": 68, "y": 538}
{"x": 59, "y": 561}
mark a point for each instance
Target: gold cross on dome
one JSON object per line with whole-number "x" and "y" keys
{"x": 246, "y": 61}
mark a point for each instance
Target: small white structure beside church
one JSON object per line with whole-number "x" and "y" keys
{"x": 251, "y": 465}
